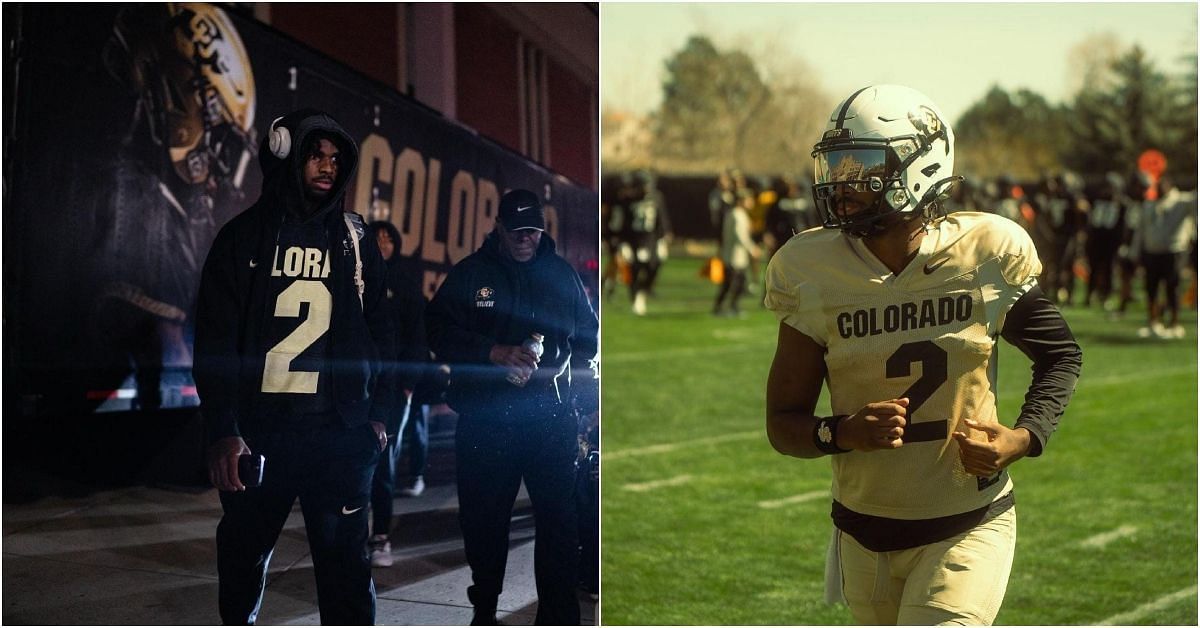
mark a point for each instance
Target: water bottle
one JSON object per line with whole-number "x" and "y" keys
{"x": 521, "y": 376}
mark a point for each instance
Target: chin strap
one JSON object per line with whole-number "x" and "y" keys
{"x": 927, "y": 208}
{"x": 936, "y": 192}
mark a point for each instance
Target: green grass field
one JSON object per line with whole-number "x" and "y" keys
{"x": 694, "y": 532}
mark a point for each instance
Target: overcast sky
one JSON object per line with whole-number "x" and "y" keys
{"x": 953, "y": 52}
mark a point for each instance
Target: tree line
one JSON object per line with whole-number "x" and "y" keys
{"x": 718, "y": 110}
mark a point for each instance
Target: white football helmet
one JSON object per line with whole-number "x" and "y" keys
{"x": 887, "y": 151}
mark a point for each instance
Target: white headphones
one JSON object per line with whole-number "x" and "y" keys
{"x": 280, "y": 140}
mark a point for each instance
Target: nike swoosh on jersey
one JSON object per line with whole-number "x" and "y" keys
{"x": 929, "y": 268}
{"x": 521, "y": 209}
{"x": 350, "y": 512}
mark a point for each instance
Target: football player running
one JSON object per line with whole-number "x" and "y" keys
{"x": 898, "y": 307}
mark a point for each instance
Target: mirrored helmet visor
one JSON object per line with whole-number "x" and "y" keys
{"x": 849, "y": 184}
{"x": 861, "y": 169}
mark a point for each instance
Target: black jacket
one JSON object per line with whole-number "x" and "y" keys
{"x": 405, "y": 303}
{"x": 233, "y": 309}
{"x": 489, "y": 299}
{"x": 407, "y": 306}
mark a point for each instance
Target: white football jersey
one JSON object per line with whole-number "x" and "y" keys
{"x": 927, "y": 333}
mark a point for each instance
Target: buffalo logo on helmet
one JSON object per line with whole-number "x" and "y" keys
{"x": 925, "y": 121}
{"x": 191, "y": 74}
{"x": 204, "y": 88}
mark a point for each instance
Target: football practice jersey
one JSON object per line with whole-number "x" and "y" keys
{"x": 296, "y": 369}
{"x": 927, "y": 333}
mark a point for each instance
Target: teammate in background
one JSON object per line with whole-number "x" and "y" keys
{"x": 898, "y": 307}
{"x": 765, "y": 197}
{"x": 406, "y": 360}
{"x": 1106, "y": 224}
{"x": 737, "y": 251}
{"x": 1007, "y": 199}
{"x": 782, "y": 219}
{"x": 799, "y": 210}
{"x": 613, "y": 219}
{"x": 1074, "y": 232}
{"x": 721, "y": 200}
{"x": 1165, "y": 229}
{"x": 516, "y": 412}
{"x": 1138, "y": 185}
{"x": 1062, "y": 208}
{"x": 290, "y": 323}
{"x": 645, "y": 234}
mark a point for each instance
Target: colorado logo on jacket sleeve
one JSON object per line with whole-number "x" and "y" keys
{"x": 483, "y": 297}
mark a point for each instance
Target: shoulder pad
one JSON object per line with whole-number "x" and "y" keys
{"x": 983, "y": 237}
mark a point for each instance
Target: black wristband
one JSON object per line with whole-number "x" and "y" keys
{"x": 825, "y": 434}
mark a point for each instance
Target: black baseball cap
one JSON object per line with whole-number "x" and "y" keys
{"x": 521, "y": 209}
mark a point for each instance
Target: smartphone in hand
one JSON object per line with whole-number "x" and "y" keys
{"x": 250, "y": 469}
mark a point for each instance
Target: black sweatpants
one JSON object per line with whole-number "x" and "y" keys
{"x": 1163, "y": 268}
{"x": 492, "y": 459}
{"x": 383, "y": 484}
{"x": 329, "y": 470}
{"x": 732, "y": 288}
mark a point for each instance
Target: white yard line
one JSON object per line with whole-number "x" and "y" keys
{"x": 1100, "y": 540}
{"x": 1151, "y": 607}
{"x": 794, "y": 499}
{"x": 642, "y": 487}
{"x": 663, "y": 448}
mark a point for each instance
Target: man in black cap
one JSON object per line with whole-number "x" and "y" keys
{"x": 517, "y": 408}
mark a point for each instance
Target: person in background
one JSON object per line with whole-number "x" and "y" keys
{"x": 517, "y": 405}
{"x": 416, "y": 439}
{"x": 1106, "y": 224}
{"x": 721, "y": 200}
{"x": 647, "y": 233}
{"x": 1165, "y": 229}
{"x": 405, "y": 304}
{"x": 737, "y": 250}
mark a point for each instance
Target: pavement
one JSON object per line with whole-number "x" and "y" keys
{"x": 144, "y": 555}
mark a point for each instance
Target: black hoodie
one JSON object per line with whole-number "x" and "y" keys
{"x": 406, "y": 305}
{"x": 487, "y": 299}
{"x": 243, "y": 286}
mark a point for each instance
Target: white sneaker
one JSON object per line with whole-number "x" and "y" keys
{"x": 1159, "y": 330}
{"x": 1176, "y": 332}
{"x": 414, "y": 490}
{"x": 639, "y": 304}
{"x": 1144, "y": 332}
{"x": 381, "y": 551}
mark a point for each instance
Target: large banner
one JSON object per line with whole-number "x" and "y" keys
{"x": 133, "y": 137}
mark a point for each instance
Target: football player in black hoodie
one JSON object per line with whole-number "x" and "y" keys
{"x": 289, "y": 332}
{"x": 516, "y": 410}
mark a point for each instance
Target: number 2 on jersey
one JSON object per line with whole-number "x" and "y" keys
{"x": 933, "y": 375}
{"x": 277, "y": 374}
